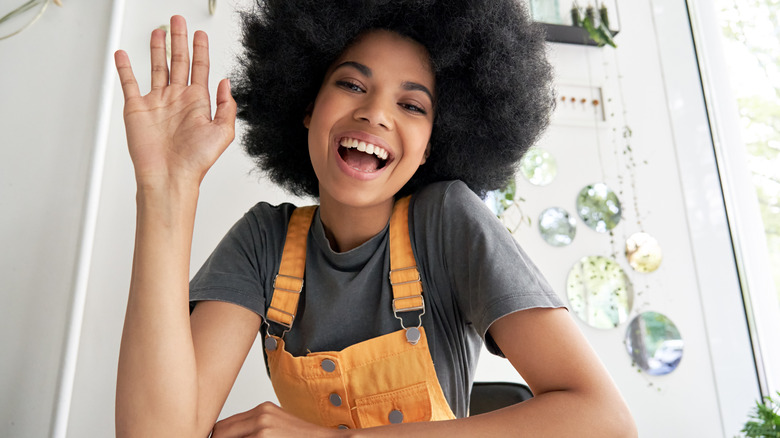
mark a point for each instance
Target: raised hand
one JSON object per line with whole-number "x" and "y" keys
{"x": 170, "y": 131}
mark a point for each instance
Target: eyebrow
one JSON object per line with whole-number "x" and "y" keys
{"x": 366, "y": 71}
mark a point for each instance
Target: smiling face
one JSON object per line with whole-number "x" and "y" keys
{"x": 371, "y": 123}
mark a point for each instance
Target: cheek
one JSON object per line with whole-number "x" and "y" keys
{"x": 318, "y": 127}
{"x": 421, "y": 138}
{"x": 322, "y": 119}
{"x": 317, "y": 143}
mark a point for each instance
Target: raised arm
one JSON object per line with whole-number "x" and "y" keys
{"x": 165, "y": 363}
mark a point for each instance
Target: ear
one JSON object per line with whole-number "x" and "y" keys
{"x": 307, "y": 117}
{"x": 426, "y": 154}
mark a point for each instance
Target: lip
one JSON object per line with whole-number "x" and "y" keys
{"x": 368, "y": 138}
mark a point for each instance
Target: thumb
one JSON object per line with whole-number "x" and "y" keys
{"x": 226, "y": 106}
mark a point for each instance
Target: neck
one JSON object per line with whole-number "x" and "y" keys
{"x": 348, "y": 227}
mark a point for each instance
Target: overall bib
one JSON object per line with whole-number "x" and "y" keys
{"x": 385, "y": 380}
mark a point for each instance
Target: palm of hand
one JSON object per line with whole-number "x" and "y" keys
{"x": 170, "y": 131}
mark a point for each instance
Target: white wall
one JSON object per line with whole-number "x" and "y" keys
{"x": 48, "y": 104}
{"x": 685, "y": 403}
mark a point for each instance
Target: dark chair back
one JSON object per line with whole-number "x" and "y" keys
{"x": 489, "y": 396}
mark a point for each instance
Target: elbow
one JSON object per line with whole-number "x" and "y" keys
{"x": 608, "y": 416}
{"x": 620, "y": 423}
{"x": 630, "y": 429}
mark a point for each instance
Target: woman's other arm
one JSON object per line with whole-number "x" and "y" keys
{"x": 574, "y": 396}
{"x": 573, "y": 392}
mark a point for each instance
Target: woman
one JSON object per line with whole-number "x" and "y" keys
{"x": 373, "y": 305}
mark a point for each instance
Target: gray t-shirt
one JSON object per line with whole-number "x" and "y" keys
{"x": 473, "y": 273}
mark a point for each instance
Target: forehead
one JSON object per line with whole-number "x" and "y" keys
{"x": 389, "y": 50}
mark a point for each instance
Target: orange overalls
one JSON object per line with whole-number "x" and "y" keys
{"x": 384, "y": 380}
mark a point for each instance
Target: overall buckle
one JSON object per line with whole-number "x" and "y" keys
{"x": 412, "y": 333}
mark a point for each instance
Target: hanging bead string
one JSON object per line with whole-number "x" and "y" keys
{"x": 602, "y": 167}
{"x": 628, "y": 152}
{"x": 626, "y": 160}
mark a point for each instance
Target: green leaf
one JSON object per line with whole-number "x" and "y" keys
{"x": 598, "y": 33}
{"x": 23, "y": 8}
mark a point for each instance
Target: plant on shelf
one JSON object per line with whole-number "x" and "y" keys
{"x": 597, "y": 25}
{"x": 764, "y": 419}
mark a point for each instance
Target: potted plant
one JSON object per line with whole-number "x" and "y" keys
{"x": 764, "y": 420}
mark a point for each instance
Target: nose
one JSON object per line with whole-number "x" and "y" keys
{"x": 374, "y": 111}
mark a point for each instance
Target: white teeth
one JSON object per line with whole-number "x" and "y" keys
{"x": 351, "y": 143}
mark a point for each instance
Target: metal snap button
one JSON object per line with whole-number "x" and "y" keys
{"x": 328, "y": 365}
{"x": 413, "y": 335}
{"x": 270, "y": 343}
{"x": 343, "y": 426}
{"x": 335, "y": 400}
{"x": 396, "y": 417}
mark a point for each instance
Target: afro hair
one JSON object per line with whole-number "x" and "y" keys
{"x": 493, "y": 82}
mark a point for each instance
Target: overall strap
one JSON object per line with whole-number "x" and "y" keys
{"x": 288, "y": 283}
{"x": 404, "y": 276}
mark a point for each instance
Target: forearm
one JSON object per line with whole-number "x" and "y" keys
{"x": 157, "y": 376}
{"x": 556, "y": 413}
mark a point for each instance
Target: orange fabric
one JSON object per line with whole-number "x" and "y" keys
{"x": 404, "y": 276}
{"x": 289, "y": 282}
{"x": 372, "y": 378}
{"x": 371, "y": 383}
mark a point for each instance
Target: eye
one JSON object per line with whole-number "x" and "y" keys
{"x": 351, "y": 86}
{"x": 413, "y": 108}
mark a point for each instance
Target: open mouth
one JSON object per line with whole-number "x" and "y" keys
{"x": 362, "y": 156}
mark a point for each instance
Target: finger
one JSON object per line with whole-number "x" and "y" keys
{"x": 159, "y": 59}
{"x": 235, "y": 426}
{"x": 180, "y": 52}
{"x": 226, "y": 106}
{"x": 200, "y": 59}
{"x": 126, "y": 76}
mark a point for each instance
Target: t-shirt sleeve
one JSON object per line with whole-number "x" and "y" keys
{"x": 490, "y": 274}
{"x": 238, "y": 269}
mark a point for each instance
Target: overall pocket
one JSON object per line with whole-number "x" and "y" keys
{"x": 406, "y": 405}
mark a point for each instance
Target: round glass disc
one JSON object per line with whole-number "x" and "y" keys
{"x": 538, "y": 166}
{"x": 500, "y": 200}
{"x": 502, "y": 203}
{"x": 643, "y": 252}
{"x": 654, "y": 343}
{"x": 599, "y": 207}
{"x": 557, "y": 227}
{"x": 599, "y": 292}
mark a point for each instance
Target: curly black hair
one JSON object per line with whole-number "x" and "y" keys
{"x": 493, "y": 82}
